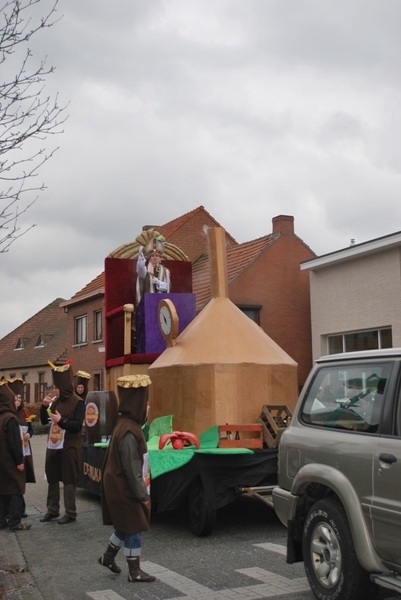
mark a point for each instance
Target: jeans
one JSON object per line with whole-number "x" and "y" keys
{"x": 130, "y": 541}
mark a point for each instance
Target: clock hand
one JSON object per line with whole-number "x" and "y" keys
{"x": 165, "y": 320}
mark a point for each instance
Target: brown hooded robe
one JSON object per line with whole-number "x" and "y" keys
{"x": 17, "y": 387}
{"x": 64, "y": 465}
{"x": 120, "y": 507}
{"x": 12, "y": 481}
{"x": 82, "y": 378}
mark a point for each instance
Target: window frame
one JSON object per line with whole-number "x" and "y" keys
{"x": 344, "y": 335}
{"x": 359, "y": 408}
{"x": 98, "y": 324}
{"x": 248, "y": 308}
{"x": 80, "y": 330}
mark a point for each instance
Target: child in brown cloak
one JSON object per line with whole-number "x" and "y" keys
{"x": 125, "y": 479}
{"x": 82, "y": 384}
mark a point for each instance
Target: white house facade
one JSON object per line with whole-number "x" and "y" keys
{"x": 356, "y": 297}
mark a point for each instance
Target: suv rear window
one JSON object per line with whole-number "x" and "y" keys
{"x": 347, "y": 396}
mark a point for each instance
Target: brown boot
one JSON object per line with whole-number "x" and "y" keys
{"x": 135, "y": 573}
{"x": 107, "y": 559}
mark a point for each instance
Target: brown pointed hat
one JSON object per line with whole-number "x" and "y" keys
{"x": 16, "y": 385}
{"x": 133, "y": 392}
{"x": 63, "y": 378}
{"x": 7, "y": 398}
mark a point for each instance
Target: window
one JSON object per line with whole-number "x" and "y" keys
{"x": 360, "y": 340}
{"x": 81, "y": 330}
{"x": 27, "y": 389}
{"x": 27, "y": 393}
{"x": 253, "y": 312}
{"x": 21, "y": 343}
{"x": 40, "y": 387}
{"x": 97, "y": 382}
{"x": 347, "y": 397}
{"x": 40, "y": 342}
{"x": 98, "y": 325}
{"x": 43, "y": 340}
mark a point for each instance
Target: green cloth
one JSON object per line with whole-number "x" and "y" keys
{"x": 168, "y": 459}
{"x": 161, "y": 425}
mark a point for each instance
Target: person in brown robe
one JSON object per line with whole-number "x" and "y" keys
{"x": 16, "y": 385}
{"x": 125, "y": 482}
{"x": 12, "y": 468}
{"x": 63, "y": 452}
{"x": 82, "y": 384}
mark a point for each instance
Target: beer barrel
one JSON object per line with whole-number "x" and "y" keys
{"x": 101, "y": 412}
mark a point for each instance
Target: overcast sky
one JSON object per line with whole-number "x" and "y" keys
{"x": 251, "y": 108}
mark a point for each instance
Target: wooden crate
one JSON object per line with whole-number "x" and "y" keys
{"x": 230, "y": 436}
{"x": 274, "y": 418}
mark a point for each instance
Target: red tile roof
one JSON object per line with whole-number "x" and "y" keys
{"x": 93, "y": 288}
{"x": 239, "y": 258}
{"x": 49, "y": 325}
{"x": 96, "y": 286}
{"x": 172, "y": 226}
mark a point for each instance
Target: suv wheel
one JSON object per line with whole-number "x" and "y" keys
{"x": 330, "y": 559}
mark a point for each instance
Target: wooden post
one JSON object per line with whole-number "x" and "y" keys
{"x": 128, "y": 310}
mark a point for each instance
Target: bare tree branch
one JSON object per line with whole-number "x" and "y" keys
{"x": 26, "y": 113}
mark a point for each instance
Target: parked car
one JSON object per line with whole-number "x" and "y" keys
{"x": 339, "y": 479}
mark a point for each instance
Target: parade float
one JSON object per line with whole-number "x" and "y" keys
{"x": 222, "y": 390}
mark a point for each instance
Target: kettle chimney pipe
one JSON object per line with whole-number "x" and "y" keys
{"x": 217, "y": 262}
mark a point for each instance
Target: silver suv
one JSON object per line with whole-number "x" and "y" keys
{"x": 339, "y": 489}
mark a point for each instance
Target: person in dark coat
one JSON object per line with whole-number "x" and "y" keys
{"x": 16, "y": 385}
{"x": 12, "y": 468}
{"x": 63, "y": 452}
{"x": 125, "y": 482}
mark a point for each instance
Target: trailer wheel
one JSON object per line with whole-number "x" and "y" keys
{"x": 201, "y": 518}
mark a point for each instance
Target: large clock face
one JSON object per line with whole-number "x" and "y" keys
{"x": 168, "y": 321}
{"x": 165, "y": 320}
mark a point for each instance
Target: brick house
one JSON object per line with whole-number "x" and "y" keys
{"x": 355, "y": 297}
{"x": 266, "y": 283}
{"x": 85, "y": 331}
{"x": 25, "y": 351}
{"x": 187, "y": 232}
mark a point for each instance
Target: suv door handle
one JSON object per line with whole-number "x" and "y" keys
{"x": 387, "y": 458}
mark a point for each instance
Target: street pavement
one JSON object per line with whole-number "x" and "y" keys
{"x": 243, "y": 559}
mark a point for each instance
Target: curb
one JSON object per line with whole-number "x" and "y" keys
{"x": 16, "y": 582}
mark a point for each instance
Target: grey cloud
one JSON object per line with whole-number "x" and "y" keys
{"x": 252, "y": 109}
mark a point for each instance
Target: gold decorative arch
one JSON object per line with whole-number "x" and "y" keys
{"x": 131, "y": 250}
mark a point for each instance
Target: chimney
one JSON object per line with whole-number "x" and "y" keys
{"x": 283, "y": 224}
{"x": 352, "y": 242}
